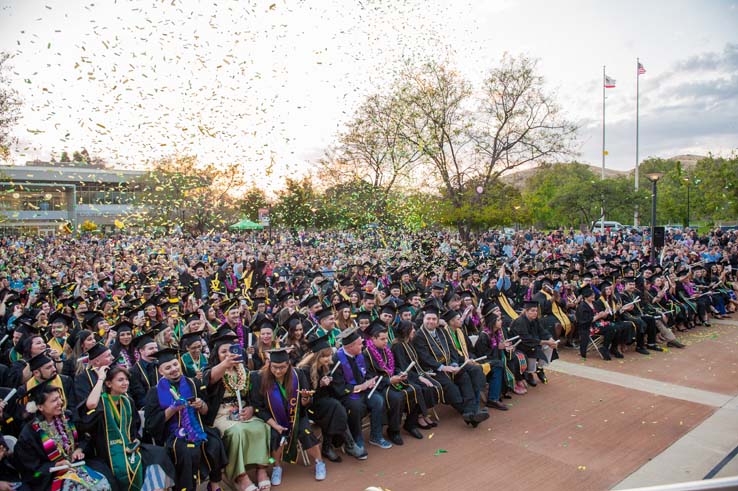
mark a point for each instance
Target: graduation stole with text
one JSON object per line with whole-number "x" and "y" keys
{"x": 126, "y": 467}
{"x": 284, "y": 405}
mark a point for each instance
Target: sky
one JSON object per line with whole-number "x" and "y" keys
{"x": 269, "y": 84}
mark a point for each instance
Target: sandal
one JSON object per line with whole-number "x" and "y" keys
{"x": 265, "y": 485}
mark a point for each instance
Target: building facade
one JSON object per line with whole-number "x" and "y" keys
{"x": 42, "y": 198}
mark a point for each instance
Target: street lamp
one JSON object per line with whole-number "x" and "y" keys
{"x": 517, "y": 219}
{"x": 654, "y": 178}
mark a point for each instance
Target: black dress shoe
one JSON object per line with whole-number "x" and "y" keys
{"x": 396, "y": 438}
{"x": 542, "y": 375}
{"x": 414, "y": 432}
{"x": 605, "y": 354}
{"x": 329, "y": 453}
{"x": 424, "y": 426}
{"x": 654, "y": 347}
{"x": 529, "y": 378}
{"x": 616, "y": 353}
{"x": 497, "y": 405}
{"x": 479, "y": 417}
{"x": 642, "y": 350}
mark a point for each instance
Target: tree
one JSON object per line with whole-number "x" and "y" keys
{"x": 64, "y": 157}
{"x": 372, "y": 148}
{"x": 250, "y": 203}
{"x": 181, "y": 193}
{"x": 297, "y": 205}
{"x": 10, "y": 105}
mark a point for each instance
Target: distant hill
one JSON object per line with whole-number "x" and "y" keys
{"x": 519, "y": 178}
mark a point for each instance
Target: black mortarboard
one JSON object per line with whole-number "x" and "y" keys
{"x": 189, "y": 338}
{"x": 349, "y": 336}
{"x": 368, "y": 296}
{"x": 166, "y": 355}
{"x": 363, "y": 315}
{"x": 586, "y": 291}
{"x": 323, "y": 313}
{"x": 143, "y": 339}
{"x": 376, "y": 327}
{"x": 199, "y": 264}
{"x": 279, "y": 355}
{"x": 310, "y": 301}
{"x": 342, "y": 305}
{"x": 123, "y": 326}
{"x": 529, "y": 304}
{"x": 284, "y": 295}
{"x": 97, "y": 350}
{"x": 431, "y": 309}
{"x": 449, "y": 315}
{"x": 268, "y": 323}
{"x": 92, "y": 318}
{"x": 58, "y": 317}
{"x": 319, "y": 343}
{"x": 226, "y": 338}
{"x": 389, "y": 309}
{"x": 38, "y": 361}
{"x": 438, "y": 286}
{"x": 229, "y": 305}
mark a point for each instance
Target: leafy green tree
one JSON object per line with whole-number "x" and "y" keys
{"x": 298, "y": 206}
{"x": 250, "y": 202}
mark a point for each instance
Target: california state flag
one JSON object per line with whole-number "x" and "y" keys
{"x": 609, "y": 82}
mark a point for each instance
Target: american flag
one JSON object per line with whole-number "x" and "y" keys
{"x": 641, "y": 70}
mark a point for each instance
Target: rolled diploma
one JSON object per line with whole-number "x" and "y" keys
{"x": 335, "y": 367}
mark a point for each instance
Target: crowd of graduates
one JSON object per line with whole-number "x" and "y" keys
{"x": 139, "y": 363}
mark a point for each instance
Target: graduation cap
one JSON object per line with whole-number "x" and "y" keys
{"x": 390, "y": 309}
{"x": 348, "y": 336}
{"x": 97, "y": 350}
{"x": 438, "y": 286}
{"x": 166, "y": 355}
{"x": 58, "y": 317}
{"x": 375, "y": 328}
{"x": 266, "y": 322}
{"x": 309, "y": 301}
{"x": 225, "y": 338}
{"x": 187, "y": 339}
{"x": 450, "y": 315}
{"x": 530, "y": 304}
{"x": 123, "y": 326}
{"x": 191, "y": 317}
{"x": 92, "y": 318}
{"x": 38, "y": 361}
{"x": 143, "y": 339}
{"x": 342, "y": 305}
{"x": 199, "y": 264}
{"x": 229, "y": 305}
{"x": 431, "y": 309}
{"x": 363, "y": 315}
{"x": 279, "y": 355}
{"x": 284, "y": 295}
{"x": 37, "y": 394}
{"x": 586, "y": 291}
{"x": 319, "y": 343}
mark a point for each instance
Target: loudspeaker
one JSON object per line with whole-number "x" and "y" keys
{"x": 658, "y": 236}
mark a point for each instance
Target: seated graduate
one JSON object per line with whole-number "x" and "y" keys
{"x": 49, "y": 445}
{"x": 491, "y": 343}
{"x": 533, "y": 340}
{"x": 428, "y": 390}
{"x": 173, "y": 418}
{"x": 436, "y": 353}
{"x": 326, "y": 410}
{"x": 294, "y": 338}
{"x": 353, "y": 385}
{"x": 110, "y": 416}
{"x": 246, "y": 438}
{"x": 10, "y": 478}
{"x": 281, "y": 398}
{"x": 194, "y": 361}
{"x": 452, "y": 323}
{"x": 327, "y": 325}
{"x": 99, "y": 356}
{"x": 392, "y": 384}
{"x": 264, "y": 342}
{"x": 44, "y": 369}
{"x": 122, "y": 349}
{"x": 144, "y": 374}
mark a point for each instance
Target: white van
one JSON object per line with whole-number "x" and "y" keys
{"x": 613, "y": 226}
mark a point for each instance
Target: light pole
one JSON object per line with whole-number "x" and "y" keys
{"x": 517, "y": 218}
{"x": 654, "y": 178}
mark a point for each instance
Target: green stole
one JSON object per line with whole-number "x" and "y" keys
{"x": 127, "y": 468}
{"x": 191, "y": 366}
{"x": 332, "y": 334}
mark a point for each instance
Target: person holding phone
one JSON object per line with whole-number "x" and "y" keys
{"x": 228, "y": 394}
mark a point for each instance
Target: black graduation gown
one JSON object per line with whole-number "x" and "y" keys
{"x": 326, "y": 410}
{"x": 93, "y": 422}
{"x": 83, "y": 384}
{"x": 261, "y": 409}
{"x": 34, "y": 463}
{"x": 405, "y": 354}
{"x": 436, "y": 351}
{"x": 193, "y": 464}
{"x": 142, "y": 380}
{"x": 531, "y": 334}
{"x": 396, "y": 398}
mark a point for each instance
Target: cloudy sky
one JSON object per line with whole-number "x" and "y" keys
{"x": 270, "y": 83}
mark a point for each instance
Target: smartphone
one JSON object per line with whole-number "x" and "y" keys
{"x": 236, "y": 349}
{"x": 191, "y": 399}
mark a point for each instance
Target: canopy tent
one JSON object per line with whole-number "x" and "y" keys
{"x": 246, "y": 224}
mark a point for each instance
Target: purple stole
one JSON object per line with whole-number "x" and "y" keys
{"x": 348, "y": 374}
{"x": 284, "y": 411}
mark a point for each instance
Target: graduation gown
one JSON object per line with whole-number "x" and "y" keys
{"x": 428, "y": 397}
{"x": 144, "y": 376}
{"x": 326, "y": 410}
{"x": 531, "y": 333}
{"x": 396, "y": 397}
{"x": 193, "y": 462}
{"x": 94, "y": 422}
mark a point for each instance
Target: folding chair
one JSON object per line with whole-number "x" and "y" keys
{"x": 596, "y": 342}
{"x": 303, "y": 454}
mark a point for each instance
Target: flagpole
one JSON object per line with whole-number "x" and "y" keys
{"x": 638, "y": 92}
{"x": 602, "y": 207}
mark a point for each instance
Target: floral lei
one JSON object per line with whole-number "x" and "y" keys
{"x": 63, "y": 445}
{"x": 389, "y": 366}
{"x": 239, "y": 382}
